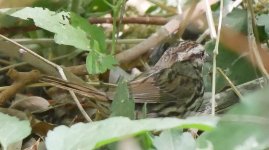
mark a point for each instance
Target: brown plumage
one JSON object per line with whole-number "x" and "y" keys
{"x": 175, "y": 82}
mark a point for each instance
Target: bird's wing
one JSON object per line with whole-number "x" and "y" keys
{"x": 144, "y": 90}
{"x": 174, "y": 84}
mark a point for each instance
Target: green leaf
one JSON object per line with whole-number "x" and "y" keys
{"x": 99, "y": 63}
{"x": 81, "y": 35}
{"x": 144, "y": 111}
{"x": 97, "y": 134}
{"x": 236, "y": 20}
{"x": 174, "y": 139}
{"x": 263, "y": 20}
{"x": 233, "y": 65}
{"x": 263, "y": 26}
{"x": 245, "y": 126}
{"x": 57, "y": 23}
{"x": 69, "y": 35}
{"x": 123, "y": 104}
{"x": 12, "y": 130}
{"x": 151, "y": 9}
{"x": 99, "y": 6}
{"x": 94, "y": 32}
{"x": 51, "y": 4}
{"x": 7, "y": 21}
{"x": 145, "y": 140}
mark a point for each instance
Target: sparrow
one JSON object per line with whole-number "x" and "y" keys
{"x": 174, "y": 85}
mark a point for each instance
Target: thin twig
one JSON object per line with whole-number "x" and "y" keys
{"x": 213, "y": 99}
{"x": 24, "y": 63}
{"x": 215, "y": 52}
{"x": 203, "y": 36}
{"x": 208, "y": 31}
{"x": 228, "y": 98}
{"x": 230, "y": 83}
{"x": 252, "y": 38}
{"x": 187, "y": 18}
{"x": 59, "y": 68}
{"x": 210, "y": 21}
{"x": 2, "y": 88}
{"x": 102, "y": 83}
{"x": 13, "y": 66}
{"x": 48, "y": 85}
{"x": 5, "y": 62}
{"x": 49, "y": 41}
{"x": 212, "y": 30}
{"x": 148, "y": 20}
{"x": 28, "y": 86}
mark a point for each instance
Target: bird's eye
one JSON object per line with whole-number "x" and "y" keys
{"x": 202, "y": 54}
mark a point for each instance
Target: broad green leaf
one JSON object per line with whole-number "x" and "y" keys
{"x": 81, "y": 35}
{"x": 57, "y": 23}
{"x": 51, "y": 4}
{"x": 12, "y": 130}
{"x": 69, "y": 35}
{"x": 123, "y": 103}
{"x": 145, "y": 140}
{"x": 98, "y": 6}
{"x": 94, "y": 32}
{"x": 236, "y": 20}
{"x": 174, "y": 139}
{"x": 97, "y": 134}
{"x": 236, "y": 67}
{"x": 7, "y": 21}
{"x": 244, "y": 127}
{"x": 263, "y": 21}
{"x": 99, "y": 63}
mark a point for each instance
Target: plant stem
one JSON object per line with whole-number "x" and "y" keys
{"x": 114, "y": 33}
{"x": 236, "y": 91}
{"x": 116, "y": 14}
{"x": 215, "y": 53}
{"x": 75, "y": 5}
{"x": 253, "y": 39}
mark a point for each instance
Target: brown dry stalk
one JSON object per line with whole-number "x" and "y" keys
{"x": 126, "y": 20}
{"x": 132, "y": 20}
{"x": 20, "y": 80}
{"x": 79, "y": 89}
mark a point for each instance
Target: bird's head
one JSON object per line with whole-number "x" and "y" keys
{"x": 184, "y": 51}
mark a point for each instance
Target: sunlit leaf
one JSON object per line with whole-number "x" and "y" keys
{"x": 94, "y": 32}
{"x": 57, "y": 23}
{"x": 12, "y": 130}
{"x": 174, "y": 139}
{"x": 99, "y": 63}
{"x": 263, "y": 26}
{"x": 97, "y": 134}
{"x": 244, "y": 127}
